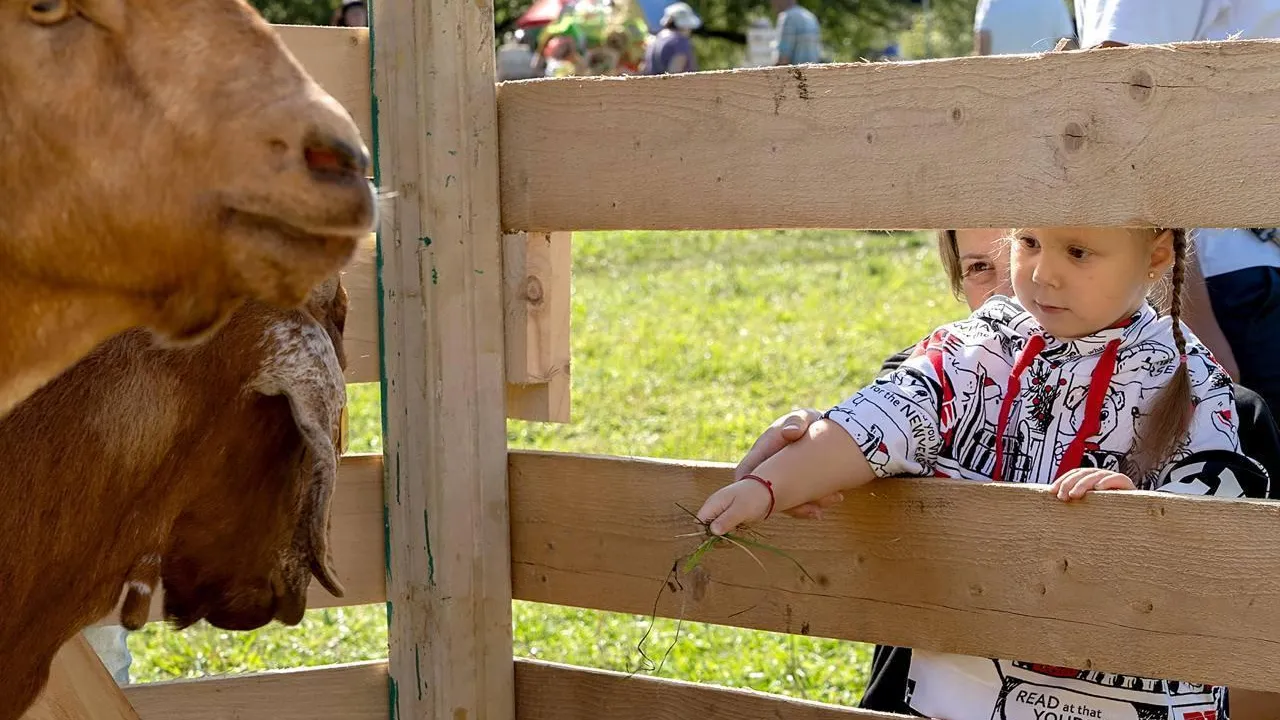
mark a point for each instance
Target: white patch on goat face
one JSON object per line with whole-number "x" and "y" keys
{"x": 300, "y": 362}
{"x": 140, "y": 587}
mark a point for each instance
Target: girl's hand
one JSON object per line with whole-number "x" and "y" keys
{"x": 1075, "y": 483}
{"x": 784, "y": 431}
{"x": 744, "y": 501}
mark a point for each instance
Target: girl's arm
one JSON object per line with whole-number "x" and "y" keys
{"x": 824, "y": 461}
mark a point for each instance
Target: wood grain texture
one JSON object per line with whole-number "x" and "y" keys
{"x": 544, "y": 691}
{"x": 1141, "y": 583}
{"x": 80, "y": 688}
{"x": 338, "y": 692}
{"x": 550, "y": 691}
{"x": 338, "y": 59}
{"x": 1253, "y": 705}
{"x": 537, "y": 288}
{"x": 1182, "y": 135}
{"x": 360, "y": 336}
{"x": 440, "y": 268}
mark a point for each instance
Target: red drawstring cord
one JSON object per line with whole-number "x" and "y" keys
{"x": 1029, "y": 353}
{"x": 1099, "y": 383}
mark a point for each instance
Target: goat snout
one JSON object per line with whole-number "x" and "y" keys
{"x": 331, "y": 158}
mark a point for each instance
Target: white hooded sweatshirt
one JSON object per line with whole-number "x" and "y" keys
{"x": 995, "y": 396}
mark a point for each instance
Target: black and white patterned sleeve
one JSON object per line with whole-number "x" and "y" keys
{"x": 1210, "y": 462}
{"x": 895, "y": 419}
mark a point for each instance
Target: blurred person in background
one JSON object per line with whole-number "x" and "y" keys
{"x": 1014, "y": 27}
{"x": 671, "y": 50}
{"x": 799, "y": 36}
{"x": 352, "y": 13}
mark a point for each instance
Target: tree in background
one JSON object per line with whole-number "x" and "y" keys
{"x": 949, "y": 28}
{"x": 296, "y": 12}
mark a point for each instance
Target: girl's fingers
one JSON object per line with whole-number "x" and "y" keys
{"x": 807, "y": 511}
{"x": 782, "y": 432}
{"x": 1086, "y": 483}
{"x": 1076, "y": 483}
{"x": 714, "y": 505}
{"x": 1115, "y": 482}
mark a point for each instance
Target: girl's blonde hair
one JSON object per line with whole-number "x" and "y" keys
{"x": 1165, "y": 426}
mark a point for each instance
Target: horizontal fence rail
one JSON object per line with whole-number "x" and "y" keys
{"x": 1152, "y": 584}
{"x": 544, "y": 691}
{"x": 1182, "y": 135}
{"x": 1175, "y": 136}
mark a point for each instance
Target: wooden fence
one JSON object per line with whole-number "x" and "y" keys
{"x": 447, "y": 526}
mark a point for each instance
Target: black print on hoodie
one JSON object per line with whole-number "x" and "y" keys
{"x": 994, "y": 396}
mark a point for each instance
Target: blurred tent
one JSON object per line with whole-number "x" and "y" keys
{"x": 545, "y": 12}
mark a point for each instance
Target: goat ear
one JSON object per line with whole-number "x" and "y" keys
{"x": 303, "y": 366}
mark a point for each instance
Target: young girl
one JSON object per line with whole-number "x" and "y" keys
{"x": 1075, "y": 383}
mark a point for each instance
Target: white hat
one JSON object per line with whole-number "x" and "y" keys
{"x": 682, "y": 16}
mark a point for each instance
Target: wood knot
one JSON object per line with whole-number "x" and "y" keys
{"x": 957, "y": 115}
{"x": 871, "y": 137}
{"x": 1141, "y": 85}
{"x": 533, "y": 289}
{"x": 1143, "y": 606}
{"x": 1073, "y": 137}
{"x": 977, "y": 590}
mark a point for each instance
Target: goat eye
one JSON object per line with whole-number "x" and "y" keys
{"x": 49, "y": 12}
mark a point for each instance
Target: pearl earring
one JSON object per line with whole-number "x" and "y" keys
{"x": 1151, "y": 274}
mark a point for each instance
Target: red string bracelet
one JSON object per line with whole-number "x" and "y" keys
{"x": 768, "y": 486}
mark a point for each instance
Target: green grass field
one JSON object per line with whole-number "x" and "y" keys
{"x": 685, "y": 345}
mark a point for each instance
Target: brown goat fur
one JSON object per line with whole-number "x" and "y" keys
{"x": 162, "y": 161}
{"x": 209, "y": 466}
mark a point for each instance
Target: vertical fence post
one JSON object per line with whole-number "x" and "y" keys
{"x": 441, "y": 311}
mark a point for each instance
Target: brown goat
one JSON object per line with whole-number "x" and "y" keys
{"x": 210, "y": 466}
{"x": 161, "y": 161}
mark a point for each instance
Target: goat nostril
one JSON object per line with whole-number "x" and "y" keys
{"x": 331, "y": 156}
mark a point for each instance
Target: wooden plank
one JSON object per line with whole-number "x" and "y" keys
{"x": 357, "y": 691}
{"x": 1253, "y": 705}
{"x": 544, "y": 691}
{"x": 537, "y": 269}
{"x": 440, "y": 271}
{"x": 80, "y": 688}
{"x": 936, "y": 564}
{"x": 361, "y": 333}
{"x": 338, "y": 59}
{"x": 1141, "y": 583}
{"x": 1096, "y": 137}
{"x": 551, "y": 691}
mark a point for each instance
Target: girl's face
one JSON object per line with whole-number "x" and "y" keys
{"x": 1077, "y": 281}
{"x": 984, "y": 264}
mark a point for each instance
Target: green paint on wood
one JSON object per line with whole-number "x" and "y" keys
{"x": 426, "y": 242}
{"x": 386, "y": 537}
{"x": 417, "y": 665}
{"x": 435, "y": 277}
{"x": 393, "y": 696}
{"x": 448, "y": 180}
{"x": 453, "y": 152}
{"x": 431, "y": 560}
{"x": 479, "y": 271}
